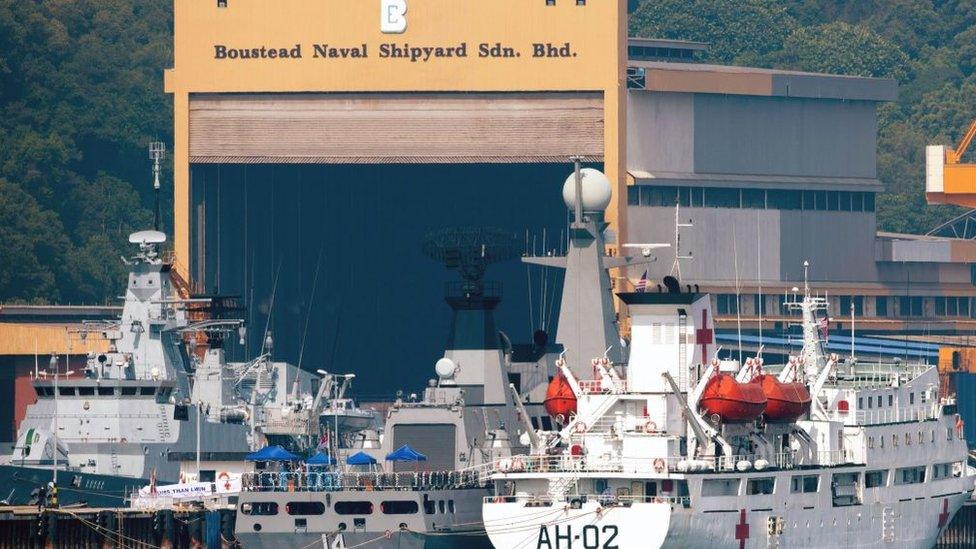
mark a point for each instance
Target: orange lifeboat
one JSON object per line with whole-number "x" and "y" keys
{"x": 785, "y": 401}
{"x": 733, "y": 401}
{"x": 560, "y": 400}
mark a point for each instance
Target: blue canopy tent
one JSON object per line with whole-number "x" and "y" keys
{"x": 405, "y": 453}
{"x": 321, "y": 458}
{"x": 272, "y": 453}
{"x": 360, "y": 458}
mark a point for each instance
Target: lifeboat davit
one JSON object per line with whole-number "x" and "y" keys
{"x": 560, "y": 400}
{"x": 784, "y": 401}
{"x": 733, "y": 401}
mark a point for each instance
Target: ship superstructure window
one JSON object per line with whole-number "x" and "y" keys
{"x": 354, "y": 508}
{"x": 847, "y": 300}
{"x": 147, "y": 391}
{"x": 260, "y": 508}
{"x": 874, "y": 479}
{"x": 720, "y": 487}
{"x": 804, "y": 484}
{"x": 910, "y": 475}
{"x": 546, "y": 423}
{"x": 106, "y": 391}
{"x": 406, "y": 507}
{"x": 308, "y": 508}
{"x": 951, "y": 306}
{"x": 66, "y": 391}
{"x": 128, "y": 391}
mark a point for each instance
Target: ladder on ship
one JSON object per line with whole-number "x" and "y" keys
{"x": 682, "y": 352}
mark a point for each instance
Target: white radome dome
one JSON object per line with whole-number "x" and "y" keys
{"x": 445, "y": 368}
{"x": 597, "y": 190}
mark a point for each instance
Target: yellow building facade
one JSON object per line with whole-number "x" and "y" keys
{"x": 297, "y": 81}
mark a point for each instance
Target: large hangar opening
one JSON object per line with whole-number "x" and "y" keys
{"x": 313, "y": 208}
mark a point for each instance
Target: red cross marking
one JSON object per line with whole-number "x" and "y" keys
{"x": 742, "y": 529}
{"x": 944, "y": 515}
{"x": 703, "y": 336}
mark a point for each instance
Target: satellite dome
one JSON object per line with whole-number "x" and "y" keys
{"x": 597, "y": 190}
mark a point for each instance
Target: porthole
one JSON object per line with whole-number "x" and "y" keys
{"x": 257, "y": 526}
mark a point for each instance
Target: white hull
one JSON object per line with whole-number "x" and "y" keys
{"x": 902, "y": 524}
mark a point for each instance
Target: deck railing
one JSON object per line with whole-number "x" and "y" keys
{"x": 330, "y": 481}
{"x": 576, "y": 500}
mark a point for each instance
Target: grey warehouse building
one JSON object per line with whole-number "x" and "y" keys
{"x": 773, "y": 169}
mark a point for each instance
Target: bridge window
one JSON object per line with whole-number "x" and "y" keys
{"x": 307, "y": 508}
{"x": 147, "y": 391}
{"x": 400, "y": 507}
{"x": 106, "y": 391}
{"x": 86, "y": 391}
{"x": 874, "y": 479}
{"x": 66, "y": 391}
{"x": 354, "y": 507}
{"x": 805, "y": 484}
{"x": 910, "y": 475}
{"x": 720, "y": 487}
{"x": 128, "y": 391}
{"x": 760, "y": 486}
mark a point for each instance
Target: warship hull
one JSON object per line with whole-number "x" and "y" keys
{"x": 395, "y": 540}
{"x": 74, "y": 488}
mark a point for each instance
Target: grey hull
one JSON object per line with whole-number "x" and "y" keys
{"x": 372, "y": 540}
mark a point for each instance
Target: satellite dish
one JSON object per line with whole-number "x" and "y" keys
{"x": 147, "y": 237}
{"x": 445, "y": 368}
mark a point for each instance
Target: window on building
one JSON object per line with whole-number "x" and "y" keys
{"x": 208, "y": 476}
{"x": 633, "y": 195}
{"x": 759, "y": 304}
{"x": 869, "y": 202}
{"x": 847, "y": 300}
{"x": 910, "y": 306}
{"x": 722, "y": 198}
{"x": 783, "y": 200}
{"x": 550, "y": 2}
{"x": 727, "y": 304}
{"x": 833, "y": 201}
{"x": 754, "y": 198}
{"x": 881, "y": 306}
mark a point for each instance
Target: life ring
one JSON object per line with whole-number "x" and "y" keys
{"x": 388, "y": 534}
{"x": 650, "y": 427}
{"x": 580, "y": 427}
{"x": 223, "y": 475}
{"x": 659, "y": 465}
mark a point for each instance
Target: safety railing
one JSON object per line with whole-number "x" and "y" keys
{"x": 880, "y": 416}
{"x": 330, "y": 481}
{"x": 577, "y": 500}
{"x": 612, "y": 425}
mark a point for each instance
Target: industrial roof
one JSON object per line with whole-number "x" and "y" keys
{"x": 702, "y": 78}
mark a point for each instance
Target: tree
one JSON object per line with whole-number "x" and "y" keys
{"x": 841, "y": 48}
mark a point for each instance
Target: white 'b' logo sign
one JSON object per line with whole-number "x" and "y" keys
{"x": 393, "y": 16}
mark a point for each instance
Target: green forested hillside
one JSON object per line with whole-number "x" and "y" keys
{"x": 81, "y": 97}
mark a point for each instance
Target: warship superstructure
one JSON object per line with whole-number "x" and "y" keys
{"x": 681, "y": 449}
{"x": 486, "y": 404}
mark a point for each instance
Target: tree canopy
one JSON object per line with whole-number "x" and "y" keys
{"x": 81, "y": 96}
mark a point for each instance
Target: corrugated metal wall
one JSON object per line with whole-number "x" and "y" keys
{"x": 961, "y": 532}
{"x": 395, "y": 128}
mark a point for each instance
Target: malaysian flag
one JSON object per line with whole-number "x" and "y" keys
{"x": 824, "y": 325}
{"x": 642, "y": 283}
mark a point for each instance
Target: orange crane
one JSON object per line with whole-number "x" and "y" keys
{"x": 947, "y": 179}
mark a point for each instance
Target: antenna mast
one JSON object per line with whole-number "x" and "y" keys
{"x": 156, "y": 152}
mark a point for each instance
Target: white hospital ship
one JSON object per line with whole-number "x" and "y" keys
{"x": 677, "y": 449}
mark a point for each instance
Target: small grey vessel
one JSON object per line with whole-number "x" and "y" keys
{"x": 469, "y": 418}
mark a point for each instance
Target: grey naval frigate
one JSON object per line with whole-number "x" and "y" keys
{"x": 485, "y": 405}
{"x": 163, "y": 393}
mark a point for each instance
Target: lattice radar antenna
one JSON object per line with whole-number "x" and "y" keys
{"x": 469, "y": 251}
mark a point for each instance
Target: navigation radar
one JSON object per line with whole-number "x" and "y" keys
{"x": 469, "y": 251}
{"x": 147, "y": 237}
